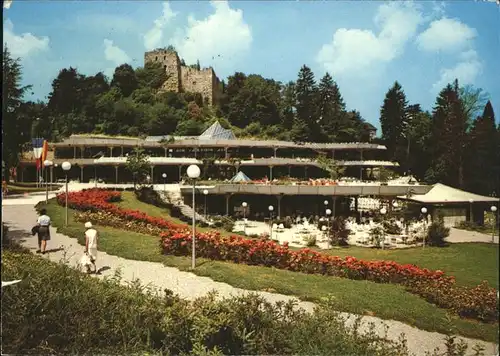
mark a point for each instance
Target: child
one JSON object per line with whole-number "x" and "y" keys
{"x": 91, "y": 238}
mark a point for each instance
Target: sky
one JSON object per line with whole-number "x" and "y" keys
{"x": 365, "y": 46}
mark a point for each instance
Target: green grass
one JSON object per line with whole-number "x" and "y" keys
{"x": 382, "y": 300}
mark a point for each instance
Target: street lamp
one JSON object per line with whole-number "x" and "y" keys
{"x": 328, "y": 213}
{"x": 193, "y": 172}
{"x": 271, "y": 208}
{"x": 470, "y": 209}
{"x": 325, "y": 202}
{"x": 205, "y": 193}
{"x": 383, "y": 211}
{"x": 66, "y": 166}
{"x": 47, "y": 164}
{"x": 164, "y": 175}
{"x": 424, "y": 212}
{"x": 244, "y": 205}
{"x": 495, "y": 222}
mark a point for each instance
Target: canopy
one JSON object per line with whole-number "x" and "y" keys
{"x": 217, "y": 132}
{"x": 442, "y": 194}
{"x": 240, "y": 177}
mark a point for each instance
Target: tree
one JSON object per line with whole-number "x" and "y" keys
{"x": 152, "y": 76}
{"x": 306, "y": 103}
{"x": 287, "y": 110}
{"x": 393, "y": 120}
{"x": 418, "y": 133}
{"x": 483, "y": 166}
{"x": 125, "y": 79}
{"x": 329, "y": 165}
{"x": 138, "y": 164}
{"x": 448, "y": 139}
{"x": 331, "y": 108}
{"x": 474, "y": 100}
{"x": 14, "y": 125}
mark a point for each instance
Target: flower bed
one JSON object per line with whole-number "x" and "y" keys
{"x": 479, "y": 302}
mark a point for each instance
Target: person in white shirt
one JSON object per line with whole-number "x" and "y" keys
{"x": 91, "y": 238}
{"x": 43, "y": 223}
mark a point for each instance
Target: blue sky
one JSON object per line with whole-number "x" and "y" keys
{"x": 366, "y": 46}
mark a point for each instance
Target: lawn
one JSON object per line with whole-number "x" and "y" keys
{"x": 362, "y": 297}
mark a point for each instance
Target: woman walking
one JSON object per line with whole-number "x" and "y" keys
{"x": 43, "y": 223}
{"x": 91, "y": 237}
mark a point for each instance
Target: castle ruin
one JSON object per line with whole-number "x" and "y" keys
{"x": 182, "y": 78}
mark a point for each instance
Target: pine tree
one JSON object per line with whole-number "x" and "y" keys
{"x": 448, "y": 139}
{"x": 331, "y": 108}
{"x": 15, "y": 126}
{"x": 306, "y": 102}
{"x": 288, "y": 105}
{"x": 393, "y": 121}
{"x": 482, "y": 166}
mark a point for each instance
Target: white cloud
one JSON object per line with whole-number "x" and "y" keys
{"x": 446, "y": 34}
{"x": 223, "y": 35}
{"x": 466, "y": 71}
{"x": 153, "y": 38}
{"x": 114, "y": 53}
{"x": 25, "y": 44}
{"x": 354, "y": 50}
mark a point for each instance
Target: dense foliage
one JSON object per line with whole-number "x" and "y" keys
{"x": 454, "y": 144}
{"x": 57, "y": 310}
{"x": 176, "y": 240}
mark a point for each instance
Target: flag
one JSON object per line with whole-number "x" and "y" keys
{"x": 37, "y": 147}
{"x": 45, "y": 149}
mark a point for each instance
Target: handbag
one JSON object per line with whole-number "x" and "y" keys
{"x": 34, "y": 230}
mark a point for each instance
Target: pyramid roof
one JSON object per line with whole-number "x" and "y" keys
{"x": 240, "y": 177}
{"x": 217, "y": 132}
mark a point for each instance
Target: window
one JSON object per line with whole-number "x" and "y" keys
{"x": 156, "y": 58}
{"x": 164, "y": 58}
{"x": 165, "y": 68}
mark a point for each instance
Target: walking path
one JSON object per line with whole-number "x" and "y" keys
{"x": 20, "y": 216}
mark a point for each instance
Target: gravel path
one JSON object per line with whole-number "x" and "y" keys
{"x": 20, "y": 215}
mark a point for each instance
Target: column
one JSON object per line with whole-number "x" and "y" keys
{"x": 270, "y": 172}
{"x": 111, "y": 151}
{"x": 333, "y": 154}
{"x": 74, "y": 152}
{"x": 227, "y": 204}
{"x": 152, "y": 174}
{"x": 279, "y": 205}
{"x": 122, "y": 151}
{"x": 82, "y": 151}
{"x": 165, "y": 151}
{"x": 361, "y": 167}
{"x": 334, "y": 205}
{"x": 81, "y": 174}
{"x": 275, "y": 149}
{"x": 289, "y": 171}
{"x": 226, "y": 153}
{"x": 51, "y": 174}
{"x": 180, "y": 173}
{"x": 116, "y": 174}
{"x": 356, "y": 208}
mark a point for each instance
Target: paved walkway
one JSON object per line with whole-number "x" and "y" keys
{"x": 20, "y": 216}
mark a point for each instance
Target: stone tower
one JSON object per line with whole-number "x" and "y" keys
{"x": 181, "y": 78}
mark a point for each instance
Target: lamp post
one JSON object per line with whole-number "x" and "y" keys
{"x": 383, "y": 211}
{"x": 205, "y": 193}
{"x": 470, "y": 209}
{"x": 271, "y": 208}
{"x": 495, "y": 222}
{"x": 47, "y": 164}
{"x": 66, "y": 166}
{"x": 193, "y": 172}
{"x": 164, "y": 175}
{"x": 323, "y": 228}
{"x": 424, "y": 212}
{"x": 328, "y": 213}
{"x": 244, "y": 205}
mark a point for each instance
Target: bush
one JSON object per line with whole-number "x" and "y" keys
{"x": 377, "y": 235}
{"x": 339, "y": 233}
{"x": 57, "y": 310}
{"x": 437, "y": 233}
{"x": 391, "y": 227}
{"x": 310, "y": 240}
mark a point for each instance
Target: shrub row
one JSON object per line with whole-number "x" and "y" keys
{"x": 176, "y": 239}
{"x": 57, "y": 310}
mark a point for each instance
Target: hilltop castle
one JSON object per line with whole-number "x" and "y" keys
{"x": 182, "y": 78}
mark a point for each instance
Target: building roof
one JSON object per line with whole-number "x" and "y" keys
{"x": 217, "y": 132}
{"x": 442, "y": 194}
